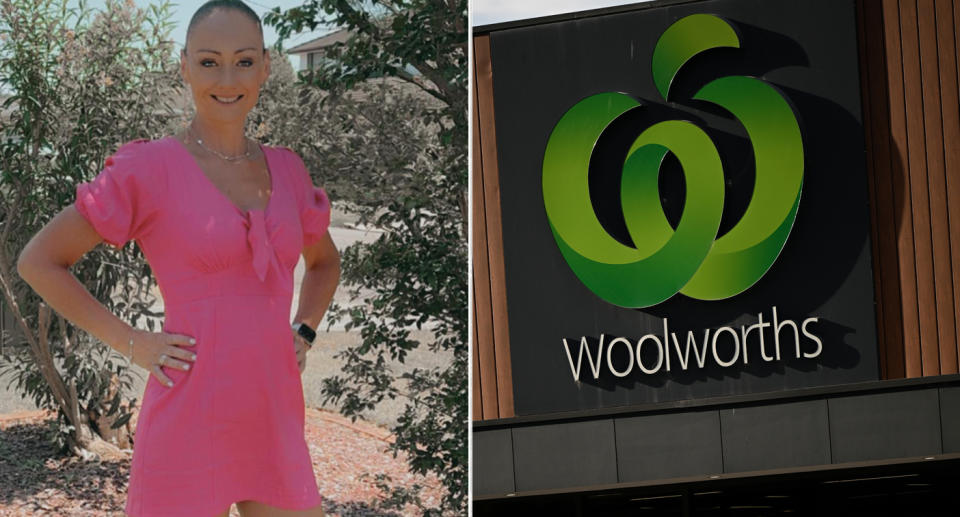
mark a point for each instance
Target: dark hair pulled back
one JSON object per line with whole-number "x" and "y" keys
{"x": 208, "y": 7}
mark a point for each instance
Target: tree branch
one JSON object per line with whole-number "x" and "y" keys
{"x": 410, "y": 78}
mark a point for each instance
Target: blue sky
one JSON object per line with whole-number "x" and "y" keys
{"x": 182, "y": 11}
{"x": 484, "y": 12}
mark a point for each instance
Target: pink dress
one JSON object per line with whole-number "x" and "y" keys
{"x": 232, "y": 427}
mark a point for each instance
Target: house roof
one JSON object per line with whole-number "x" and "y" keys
{"x": 326, "y": 40}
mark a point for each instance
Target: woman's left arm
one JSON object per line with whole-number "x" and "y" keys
{"x": 320, "y": 279}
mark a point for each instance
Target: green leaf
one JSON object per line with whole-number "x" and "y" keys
{"x": 120, "y": 422}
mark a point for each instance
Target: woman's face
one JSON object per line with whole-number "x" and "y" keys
{"x": 224, "y": 64}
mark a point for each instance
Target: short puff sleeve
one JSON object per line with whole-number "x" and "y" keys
{"x": 120, "y": 201}
{"x": 314, "y": 203}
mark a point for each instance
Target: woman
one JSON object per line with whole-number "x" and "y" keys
{"x": 222, "y": 222}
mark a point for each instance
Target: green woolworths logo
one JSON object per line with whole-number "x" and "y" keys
{"x": 690, "y": 259}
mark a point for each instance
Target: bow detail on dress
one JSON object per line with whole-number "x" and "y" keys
{"x": 261, "y": 245}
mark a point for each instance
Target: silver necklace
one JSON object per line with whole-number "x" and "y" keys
{"x": 247, "y": 155}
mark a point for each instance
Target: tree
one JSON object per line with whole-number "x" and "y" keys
{"x": 423, "y": 42}
{"x": 80, "y": 83}
{"x": 402, "y": 164}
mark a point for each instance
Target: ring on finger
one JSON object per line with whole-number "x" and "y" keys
{"x": 163, "y": 357}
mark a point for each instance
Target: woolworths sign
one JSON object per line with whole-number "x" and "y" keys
{"x": 689, "y": 259}
{"x": 703, "y": 226}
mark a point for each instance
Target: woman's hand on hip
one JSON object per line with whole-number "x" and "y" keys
{"x": 148, "y": 347}
{"x": 301, "y": 347}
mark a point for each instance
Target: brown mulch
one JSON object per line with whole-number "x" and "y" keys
{"x": 36, "y": 480}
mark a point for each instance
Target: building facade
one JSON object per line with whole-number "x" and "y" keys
{"x": 801, "y": 360}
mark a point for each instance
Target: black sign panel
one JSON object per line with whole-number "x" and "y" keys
{"x": 579, "y": 337}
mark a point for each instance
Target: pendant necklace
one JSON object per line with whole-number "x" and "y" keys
{"x": 247, "y": 155}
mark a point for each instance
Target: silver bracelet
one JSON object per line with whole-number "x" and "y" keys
{"x": 130, "y": 359}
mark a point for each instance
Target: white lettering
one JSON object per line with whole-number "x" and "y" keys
{"x": 763, "y": 346}
{"x": 776, "y": 332}
{"x": 610, "y": 363}
{"x": 745, "y": 331}
{"x": 701, "y": 355}
{"x": 813, "y": 337}
{"x": 736, "y": 348}
{"x": 741, "y": 343}
{"x": 659, "y": 356}
{"x": 594, "y": 365}
{"x": 666, "y": 342}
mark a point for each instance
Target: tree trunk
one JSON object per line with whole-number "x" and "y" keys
{"x": 122, "y": 436}
{"x": 83, "y": 441}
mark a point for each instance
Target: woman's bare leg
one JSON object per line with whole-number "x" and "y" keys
{"x": 258, "y": 509}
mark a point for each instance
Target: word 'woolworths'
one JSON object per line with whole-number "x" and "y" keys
{"x": 696, "y": 354}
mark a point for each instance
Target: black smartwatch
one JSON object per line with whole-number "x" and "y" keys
{"x": 304, "y": 331}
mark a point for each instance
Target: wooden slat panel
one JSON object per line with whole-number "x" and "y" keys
{"x": 486, "y": 354}
{"x": 917, "y": 166}
{"x": 877, "y": 119}
{"x": 901, "y": 190}
{"x": 491, "y": 192}
{"x": 477, "y": 413}
{"x": 937, "y": 187}
{"x": 948, "y": 41}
